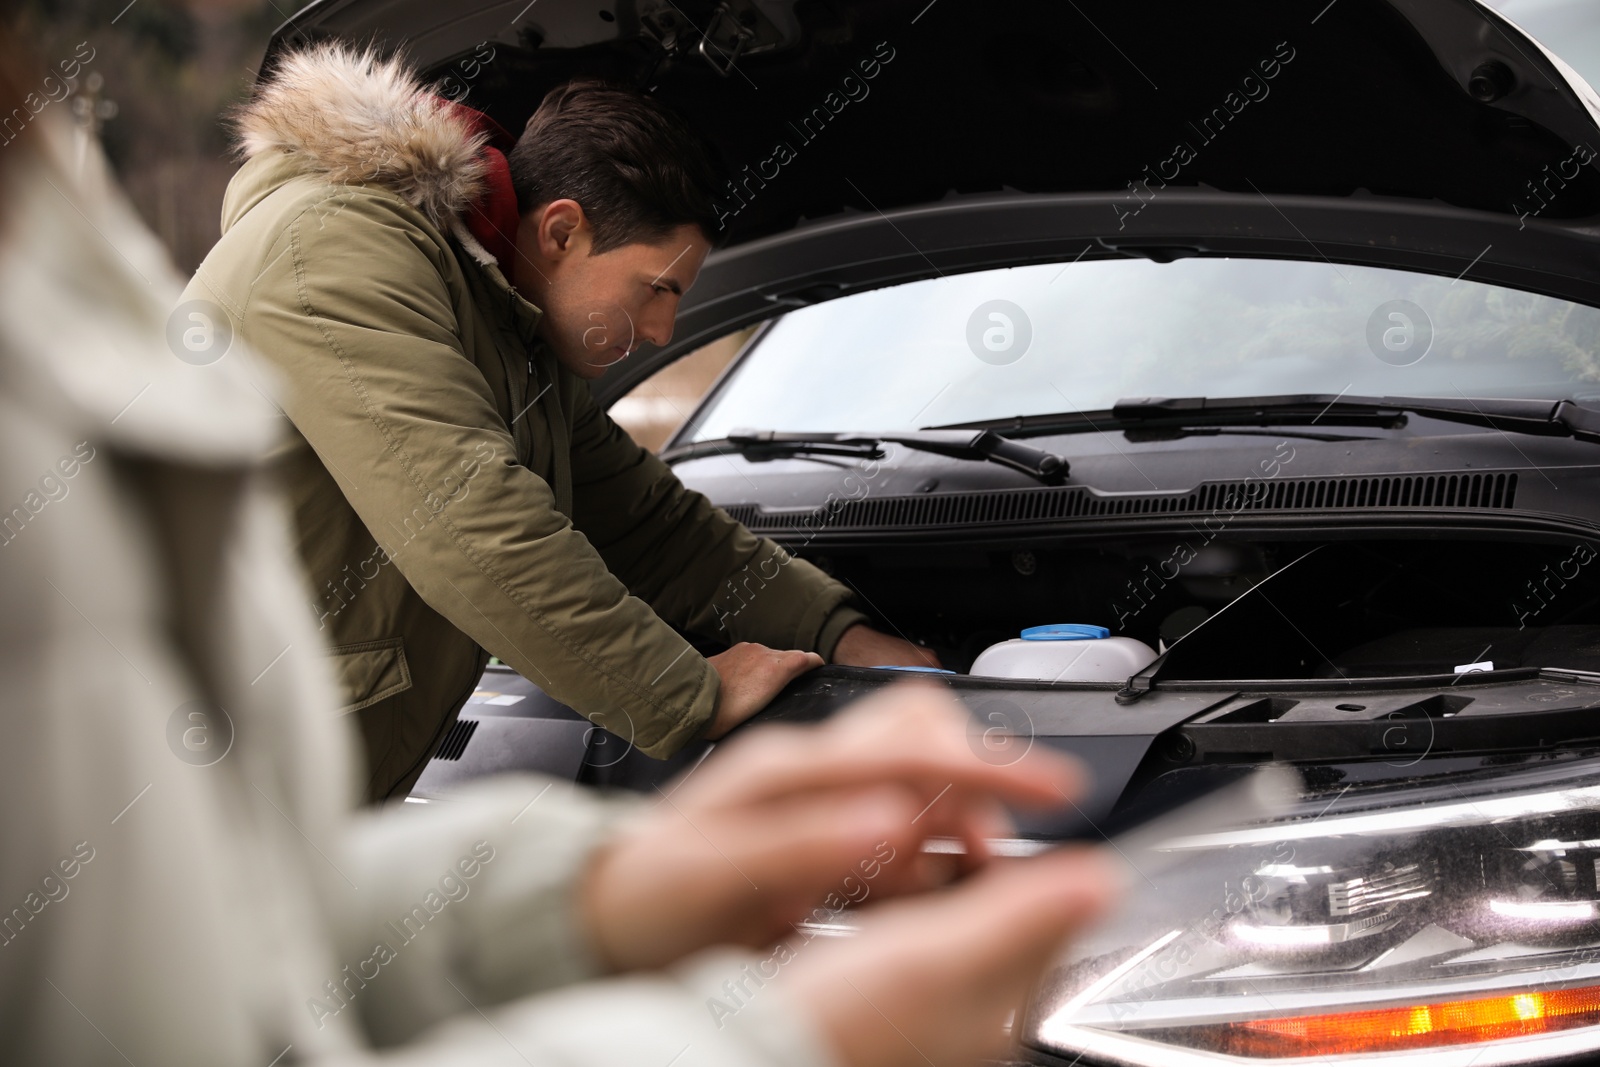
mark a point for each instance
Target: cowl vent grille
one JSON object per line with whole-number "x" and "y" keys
{"x": 455, "y": 742}
{"x": 1487, "y": 490}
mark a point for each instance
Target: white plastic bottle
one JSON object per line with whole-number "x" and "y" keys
{"x": 1065, "y": 652}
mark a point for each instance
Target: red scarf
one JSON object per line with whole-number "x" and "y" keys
{"x": 493, "y": 218}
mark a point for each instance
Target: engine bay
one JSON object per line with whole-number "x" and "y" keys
{"x": 1382, "y": 651}
{"x": 1256, "y": 608}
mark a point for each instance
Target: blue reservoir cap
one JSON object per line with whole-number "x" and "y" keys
{"x": 1065, "y": 631}
{"x": 919, "y": 670}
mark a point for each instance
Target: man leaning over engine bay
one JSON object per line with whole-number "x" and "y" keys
{"x": 434, "y": 308}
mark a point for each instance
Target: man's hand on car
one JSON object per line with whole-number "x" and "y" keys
{"x": 862, "y": 646}
{"x": 751, "y": 676}
{"x": 750, "y": 842}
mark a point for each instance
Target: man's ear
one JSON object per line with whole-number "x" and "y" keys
{"x": 562, "y": 229}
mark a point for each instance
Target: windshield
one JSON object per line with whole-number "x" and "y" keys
{"x": 1068, "y": 337}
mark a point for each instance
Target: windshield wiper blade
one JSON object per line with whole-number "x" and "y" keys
{"x": 1140, "y": 434}
{"x": 1520, "y": 416}
{"x": 974, "y": 444}
{"x": 1544, "y": 418}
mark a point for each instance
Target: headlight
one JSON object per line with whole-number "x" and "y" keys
{"x": 1442, "y": 924}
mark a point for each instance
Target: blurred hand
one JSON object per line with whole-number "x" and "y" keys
{"x": 931, "y": 979}
{"x": 756, "y": 837}
{"x": 862, "y": 646}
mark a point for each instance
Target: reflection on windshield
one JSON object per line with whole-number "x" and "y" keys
{"x": 1068, "y": 337}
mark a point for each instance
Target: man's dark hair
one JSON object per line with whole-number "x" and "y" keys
{"x": 635, "y": 166}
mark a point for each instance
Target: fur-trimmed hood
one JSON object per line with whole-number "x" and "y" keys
{"x": 357, "y": 118}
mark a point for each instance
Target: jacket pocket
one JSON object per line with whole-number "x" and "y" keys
{"x": 369, "y": 672}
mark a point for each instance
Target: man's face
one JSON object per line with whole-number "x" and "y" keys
{"x": 599, "y": 308}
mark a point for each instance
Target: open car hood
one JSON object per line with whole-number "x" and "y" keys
{"x": 879, "y": 141}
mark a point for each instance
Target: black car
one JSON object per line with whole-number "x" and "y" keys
{"x": 1258, "y": 339}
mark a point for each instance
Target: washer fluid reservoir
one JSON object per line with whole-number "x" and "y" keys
{"x": 1065, "y": 652}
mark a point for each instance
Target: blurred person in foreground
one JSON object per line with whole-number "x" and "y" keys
{"x": 184, "y": 878}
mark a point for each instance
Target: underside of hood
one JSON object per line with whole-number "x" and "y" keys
{"x": 822, "y": 108}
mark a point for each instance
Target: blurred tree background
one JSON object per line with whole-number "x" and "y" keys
{"x": 168, "y": 72}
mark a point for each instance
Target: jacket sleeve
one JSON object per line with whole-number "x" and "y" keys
{"x": 478, "y": 901}
{"x": 354, "y": 309}
{"x": 689, "y": 560}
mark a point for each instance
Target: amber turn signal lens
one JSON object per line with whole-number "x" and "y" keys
{"x": 1456, "y": 1022}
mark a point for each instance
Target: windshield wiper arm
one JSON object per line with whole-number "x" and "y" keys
{"x": 975, "y": 444}
{"x": 1544, "y": 418}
